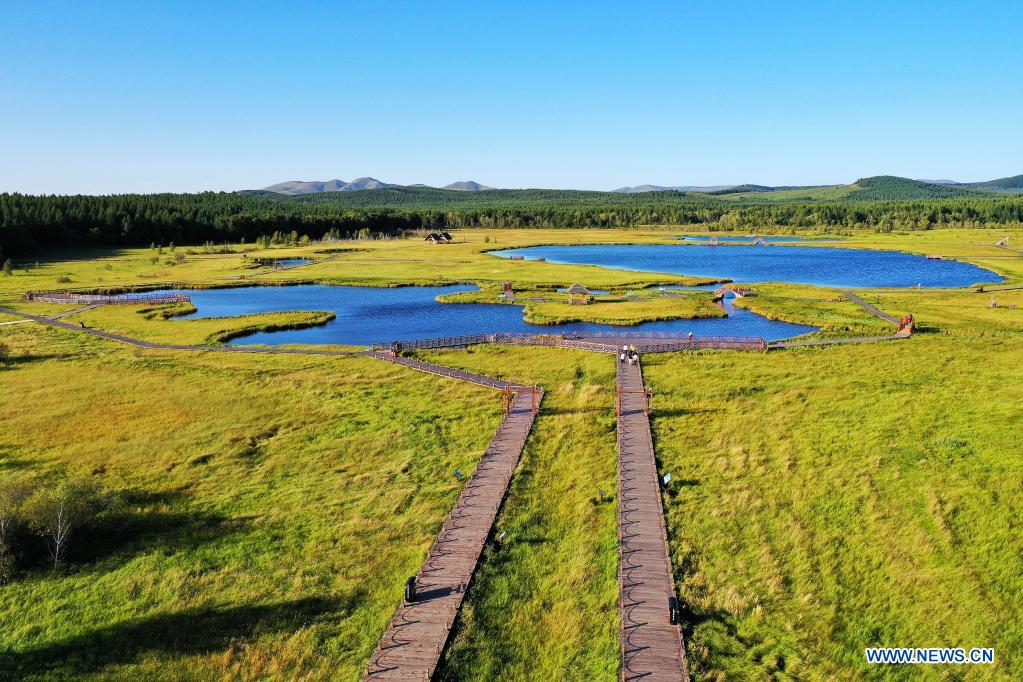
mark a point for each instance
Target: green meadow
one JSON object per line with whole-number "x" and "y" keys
{"x": 269, "y": 508}
{"x": 272, "y": 506}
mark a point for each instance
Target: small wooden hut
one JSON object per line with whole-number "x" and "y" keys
{"x": 579, "y": 295}
{"x": 507, "y": 292}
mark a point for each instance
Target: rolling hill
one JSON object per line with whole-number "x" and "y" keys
{"x": 639, "y": 189}
{"x": 467, "y": 186}
{"x": 889, "y": 187}
{"x": 295, "y": 187}
{"x": 1012, "y": 184}
{"x": 300, "y": 187}
{"x": 369, "y": 192}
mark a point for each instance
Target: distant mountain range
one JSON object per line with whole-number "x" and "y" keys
{"x": 877, "y": 188}
{"x": 293, "y": 187}
{"x": 866, "y": 189}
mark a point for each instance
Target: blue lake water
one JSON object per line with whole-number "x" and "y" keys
{"x": 367, "y": 315}
{"x": 824, "y": 266}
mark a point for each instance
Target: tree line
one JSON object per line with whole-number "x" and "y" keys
{"x": 29, "y": 224}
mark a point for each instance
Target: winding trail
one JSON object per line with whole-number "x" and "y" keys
{"x": 411, "y": 647}
{"x": 870, "y": 309}
{"x": 651, "y": 646}
{"x": 139, "y": 343}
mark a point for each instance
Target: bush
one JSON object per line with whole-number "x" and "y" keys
{"x": 57, "y": 512}
{"x": 13, "y": 495}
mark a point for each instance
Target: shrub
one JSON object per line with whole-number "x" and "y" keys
{"x": 56, "y": 512}
{"x": 13, "y": 495}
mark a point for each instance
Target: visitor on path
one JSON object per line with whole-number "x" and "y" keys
{"x": 621, "y": 357}
{"x": 83, "y": 324}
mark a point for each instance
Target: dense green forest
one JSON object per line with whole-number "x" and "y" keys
{"x": 890, "y": 187}
{"x": 31, "y": 223}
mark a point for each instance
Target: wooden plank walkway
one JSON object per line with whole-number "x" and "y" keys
{"x": 68, "y": 313}
{"x": 411, "y": 647}
{"x": 139, "y": 343}
{"x": 905, "y": 334}
{"x": 869, "y": 308}
{"x": 651, "y": 647}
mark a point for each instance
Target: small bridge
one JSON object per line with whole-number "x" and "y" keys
{"x": 739, "y": 291}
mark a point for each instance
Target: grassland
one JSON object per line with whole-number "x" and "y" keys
{"x": 623, "y": 311}
{"x": 833, "y": 499}
{"x": 398, "y": 262}
{"x": 825, "y": 499}
{"x": 548, "y": 306}
{"x": 544, "y": 605}
{"x": 275, "y": 505}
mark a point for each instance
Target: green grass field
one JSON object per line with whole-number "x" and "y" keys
{"x": 832, "y": 499}
{"x": 545, "y": 604}
{"x": 824, "y": 500}
{"x": 275, "y": 506}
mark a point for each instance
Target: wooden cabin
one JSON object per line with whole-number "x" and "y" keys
{"x": 579, "y": 295}
{"x": 439, "y": 238}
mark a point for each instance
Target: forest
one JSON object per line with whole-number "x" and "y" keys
{"x": 29, "y": 224}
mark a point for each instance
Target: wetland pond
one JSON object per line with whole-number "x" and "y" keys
{"x": 820, "y": 265}
{"x": 368, "y": 315}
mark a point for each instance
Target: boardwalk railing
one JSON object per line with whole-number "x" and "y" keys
{"x": 709, "y": 343}
{"x": 650, "y": 638}
{"x": 70, "y": 297}
{"x": 586, "y": 341}
{"x": 414, "y": 641}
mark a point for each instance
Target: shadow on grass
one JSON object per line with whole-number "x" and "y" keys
{"x": 195, "y": 631}
{"x": 168, "y": 531}
{"x": 14, "y": 361}
{"x": 140, "y": 523}
{"x": 9, "y": 461}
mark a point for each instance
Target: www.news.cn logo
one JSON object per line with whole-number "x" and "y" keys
{"x": 939, "y": 655}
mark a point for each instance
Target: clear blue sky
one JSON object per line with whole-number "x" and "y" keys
{"x": 178, "y": 96}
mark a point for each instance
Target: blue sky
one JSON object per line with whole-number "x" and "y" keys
{"x": 139, "y": 96}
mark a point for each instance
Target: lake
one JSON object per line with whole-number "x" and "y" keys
{"x": 368, "y": 315}
{"x": 823, "y": 266}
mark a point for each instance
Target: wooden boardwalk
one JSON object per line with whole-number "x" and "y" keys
{"x": 834, "y": 342}
{"x": 139, "y": 343}
{"x": 869, "y": 308}
{"x": 651, "y": 647}
{"x": 411, "y": 647}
